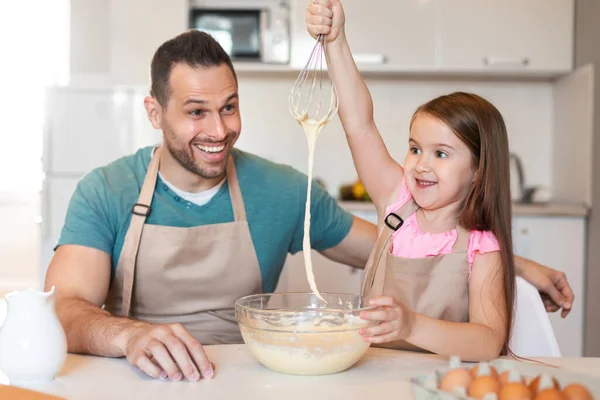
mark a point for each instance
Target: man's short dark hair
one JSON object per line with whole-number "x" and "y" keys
{"x": 194, "y": 48}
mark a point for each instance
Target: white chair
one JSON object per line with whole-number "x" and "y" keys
{"x": 532, "y": 335}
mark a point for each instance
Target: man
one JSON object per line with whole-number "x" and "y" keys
{"x": 168, "y": 238}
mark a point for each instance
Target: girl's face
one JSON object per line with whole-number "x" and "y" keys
{"x": 439, "y": 167}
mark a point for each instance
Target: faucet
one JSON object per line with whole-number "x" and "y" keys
{"x": 520, "y": 174}
{"x": 525, "y": 193}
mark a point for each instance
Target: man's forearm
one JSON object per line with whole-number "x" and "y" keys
{"x": 519, "y": 264}
{"x": 354, "y": 250}
{"x": 91, "y": 330}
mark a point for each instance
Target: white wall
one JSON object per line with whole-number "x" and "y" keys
{"x": 270, "y": 131}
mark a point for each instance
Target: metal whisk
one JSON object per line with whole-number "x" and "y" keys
{"x": 313, "y": 78}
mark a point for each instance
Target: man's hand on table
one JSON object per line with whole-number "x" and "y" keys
{"x": 167, "y": 351}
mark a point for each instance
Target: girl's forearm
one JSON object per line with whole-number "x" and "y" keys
{"x": 470, "y": 341}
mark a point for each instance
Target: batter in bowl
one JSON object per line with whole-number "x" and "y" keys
{"x": 310, "y": 348}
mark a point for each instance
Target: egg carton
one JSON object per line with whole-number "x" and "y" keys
{"x": 425, "y": 386}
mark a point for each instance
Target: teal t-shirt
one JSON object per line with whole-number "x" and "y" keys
{"x": 274, "y": 196}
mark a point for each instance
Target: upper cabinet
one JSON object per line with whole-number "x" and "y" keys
{"x": 111, "y": 40}
{"x": 514, "y": 35}
{"x": 382, "y": 34}
{"x": 135, "y": 36}
{"x": 528, "y": 37}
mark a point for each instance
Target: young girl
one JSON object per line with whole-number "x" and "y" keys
{"x": 443, "y": 261}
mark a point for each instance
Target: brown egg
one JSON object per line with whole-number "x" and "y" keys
{"x": 483, "y": 385}
{"x": 503, "y": 378}
{"x": 493, "y": 371}
{"x": 575, "y": 391}
{"x": 549, "y": 394}
{"x": 455, "y": 378}
{"x": 535, "y": 383}
{"x": 515, "y": 391}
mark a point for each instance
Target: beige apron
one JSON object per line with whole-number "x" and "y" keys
{"x": 434, "y": 286}
{"x": 191, "y": 275}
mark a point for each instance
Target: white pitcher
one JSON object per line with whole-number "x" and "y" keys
{"x": 33, "y": 345}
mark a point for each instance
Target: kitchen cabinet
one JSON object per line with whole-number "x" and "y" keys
{"x": 137, "y": 29}
{"x": 467, "y": 37}
{"x": 113, "y": 41}
{"x": 560, "y": 243}
{"x": 88, "y": 38}
{"x": 85, "y": 128}
{"x": 556, "y": 241}
{"x": 397, "y": 35}
{"x": 506, "y": 35}
{"x": 104, "y": 114}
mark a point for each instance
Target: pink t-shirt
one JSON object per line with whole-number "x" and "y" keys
{"x": 410, "y": 242}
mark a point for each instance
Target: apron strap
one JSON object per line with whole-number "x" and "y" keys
{"x": 237, "y": 203}
{"x": 392, "y": 222}
{"x": 140, "y": 212}
{"x": 462, "y": 239}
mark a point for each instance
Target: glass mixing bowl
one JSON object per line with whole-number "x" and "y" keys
{"x": 296, "y": 333}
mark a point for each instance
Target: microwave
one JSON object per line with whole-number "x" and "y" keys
{"x": 254, "y": 31}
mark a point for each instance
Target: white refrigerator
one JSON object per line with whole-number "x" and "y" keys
{"x": 85, "y": 127}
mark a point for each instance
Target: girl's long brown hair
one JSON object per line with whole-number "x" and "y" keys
{"x": 488, "y": 205}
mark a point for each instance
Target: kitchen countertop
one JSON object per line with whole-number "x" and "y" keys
{"x": 519, "y": 209}
{"x": 381, "y": 373}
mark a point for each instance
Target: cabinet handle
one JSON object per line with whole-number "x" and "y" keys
{"x": 508, "y": 62}
{"x": 365, "y": 58}
{"x": 525, "y": 231}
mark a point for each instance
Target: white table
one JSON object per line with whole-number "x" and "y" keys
{"x": 380, "y": 373}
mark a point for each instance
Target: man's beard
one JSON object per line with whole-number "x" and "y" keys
{"x": 186, "y": 159}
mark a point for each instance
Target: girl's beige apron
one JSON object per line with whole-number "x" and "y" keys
{"x": 434, "y": 286}
{"x": 191, "y": 275}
